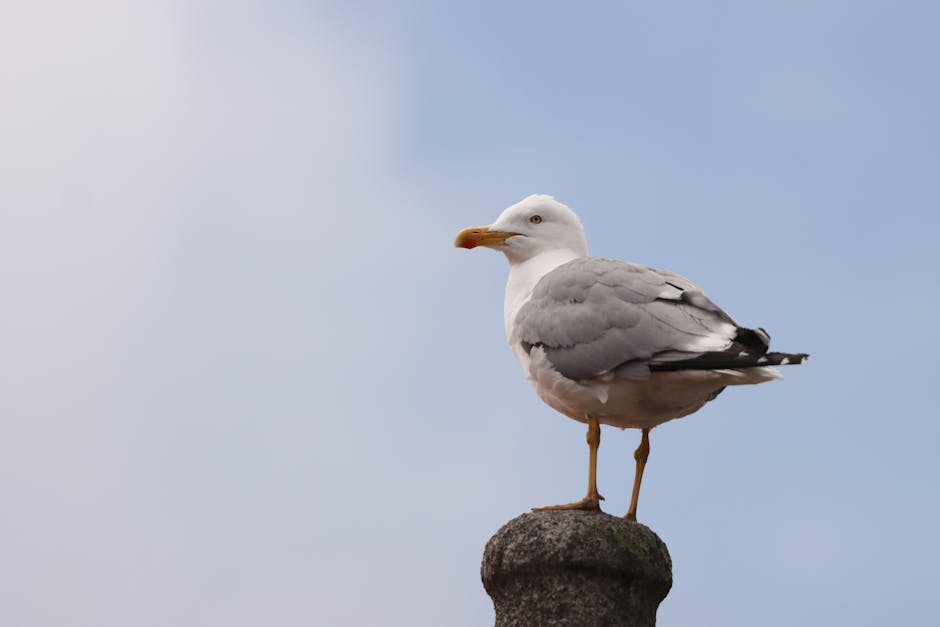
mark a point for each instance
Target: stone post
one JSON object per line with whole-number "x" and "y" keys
{"x": 575, "y": 568}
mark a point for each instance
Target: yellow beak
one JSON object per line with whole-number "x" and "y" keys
{"x": 481, "y": 236}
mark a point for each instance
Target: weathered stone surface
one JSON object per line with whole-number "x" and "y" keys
{"x": 575, "y": 568}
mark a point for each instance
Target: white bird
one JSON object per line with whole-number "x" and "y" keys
{"x": 611, "y": 342}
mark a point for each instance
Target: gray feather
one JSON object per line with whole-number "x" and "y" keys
{"x": 594, "y": 315}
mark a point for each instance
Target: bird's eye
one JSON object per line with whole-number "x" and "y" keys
{"x": 536, "y": 219}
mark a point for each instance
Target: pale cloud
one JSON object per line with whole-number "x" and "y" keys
{"x": 173, "y": 190}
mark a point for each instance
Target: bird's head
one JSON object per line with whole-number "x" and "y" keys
{"x": 533, "y": 226}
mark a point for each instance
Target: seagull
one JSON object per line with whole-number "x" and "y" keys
{"x": 612, "y": 342}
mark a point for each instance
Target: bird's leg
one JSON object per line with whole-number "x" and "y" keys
{"x": 593, "y": 497}
{"x": 641, "y": 454}
{"x": 591, "y": 502}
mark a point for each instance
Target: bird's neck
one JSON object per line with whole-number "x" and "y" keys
{"x": 524, "y": 275}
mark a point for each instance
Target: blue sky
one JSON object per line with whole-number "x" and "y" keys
{"x": 247, "y": 380}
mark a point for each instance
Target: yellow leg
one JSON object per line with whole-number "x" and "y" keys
{"x": 641, "y": 454}
{"x": 591, "y": 502}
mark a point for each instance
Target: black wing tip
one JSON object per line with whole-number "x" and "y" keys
{"x": 757, "y": 340}
{"x": 726, "y": 361}
{"x": 783, "y": 359}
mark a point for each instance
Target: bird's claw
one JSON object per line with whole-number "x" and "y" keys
{"x": 588, "y": 504}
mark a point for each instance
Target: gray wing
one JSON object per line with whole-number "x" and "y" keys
{"x": 593, "y": 316}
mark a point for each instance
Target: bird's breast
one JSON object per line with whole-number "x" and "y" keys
{"x": 619, "y": 402}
